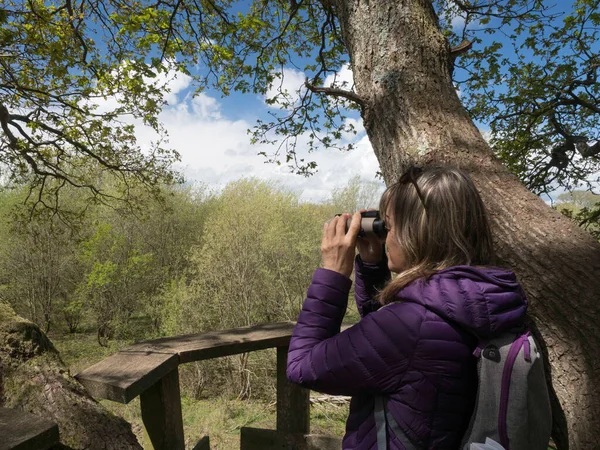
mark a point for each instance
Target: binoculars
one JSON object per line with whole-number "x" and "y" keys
{"x": 370, "y": 224}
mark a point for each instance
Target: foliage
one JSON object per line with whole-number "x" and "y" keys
{"x": 39, "y": 264}
{"x": 583, "y": 207}
{"x": 194, "y": 261}
{"x": 357, "y": 195}
{"x": 61, "y": 64}
{"x": 535, "y": 82}
{"x": 107, "y": 267}
{"x": 77, "y": 76}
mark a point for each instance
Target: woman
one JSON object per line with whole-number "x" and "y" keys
{"x": 414, "y": 343}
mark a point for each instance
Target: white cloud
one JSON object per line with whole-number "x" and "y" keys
{"x": 343, "y": 79}
{"x": 486, "y": 133}
{"x": 458, "y": 22}
{"x": 216, "y": 150}
{"x": 175, "y": 83}
{"x": 290, "y": 83}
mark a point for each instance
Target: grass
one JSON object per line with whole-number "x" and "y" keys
{"x": 220, "y": 418}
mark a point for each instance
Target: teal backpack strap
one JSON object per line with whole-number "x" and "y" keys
{"x": 383, "y": 418}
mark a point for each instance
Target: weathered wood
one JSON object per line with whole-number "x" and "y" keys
{"x": 125, "y": 375}
{"x": 214, "y": 344}
{"x": 161, "y": 414}
{"x": 20, "y": 430}
{"x": 203, "y": 444}
{"x": 336, "y": 400}
{"x": 258, "y": 439}
{"x": 293, "y": 406}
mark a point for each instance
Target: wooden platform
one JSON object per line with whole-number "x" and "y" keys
{"x": 20, "y": 430}
{"x": 150, "y": 369}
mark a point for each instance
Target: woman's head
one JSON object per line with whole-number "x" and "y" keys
{"x": 435, "y": 219}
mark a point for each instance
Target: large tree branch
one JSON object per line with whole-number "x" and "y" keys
{"x": 461, "y": 48}
{"x": 83, "y": 148}
{"x": 334, "y": 92}
{"x": 4, "y": 120}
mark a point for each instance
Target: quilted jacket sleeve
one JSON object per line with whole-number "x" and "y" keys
{"x": 369, "y": 280}
{"x": 370, "y": 356}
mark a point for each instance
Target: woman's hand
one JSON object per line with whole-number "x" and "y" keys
{"x": 370, "y": 247}
{"x": 337, "y": 247}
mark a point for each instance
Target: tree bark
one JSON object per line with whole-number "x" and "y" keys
{"x": 412, "y": 114}
{"x": 33, "y": 378}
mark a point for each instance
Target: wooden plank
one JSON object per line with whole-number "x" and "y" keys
{"x": 214, "y": 344}
{"x": 203, "y": 444}
{"x": 258, "y": 439}
{"x": 293, "y": 404}
{"x": 20, "y": 430}
{"x": 125, "y": 375}
{"x": 161, "y": 414}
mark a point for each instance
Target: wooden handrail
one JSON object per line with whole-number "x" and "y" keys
{"x": 126, "y": 374}
{"x": 150, "y": 369}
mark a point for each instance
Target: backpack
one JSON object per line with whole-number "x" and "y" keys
{"x": 512, "y": 406}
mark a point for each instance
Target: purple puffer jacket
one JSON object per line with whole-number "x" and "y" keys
{"x": 418, "y": 352}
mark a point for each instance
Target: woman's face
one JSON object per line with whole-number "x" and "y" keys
{"x": 396, "y": 259}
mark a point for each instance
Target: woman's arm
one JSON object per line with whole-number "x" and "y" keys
{"x": 369, "y": 356}
{"x": 369, "y": 279}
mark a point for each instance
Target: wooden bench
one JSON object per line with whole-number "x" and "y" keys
{"x": 20, "y": 430}
{"x": 150, "y": 369}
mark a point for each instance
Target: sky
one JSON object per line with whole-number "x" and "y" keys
{"x": 211, "y": 134}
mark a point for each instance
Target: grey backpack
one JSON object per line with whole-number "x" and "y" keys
{"x": 512, "y": 406}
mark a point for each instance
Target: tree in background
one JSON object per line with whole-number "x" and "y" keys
{"x": 40, "y": 269}
{"x": 534, "y": 80}
{"x": 39, "y": 265}
{"x": 583, "y": 207}
{"x": 112, "y": 262}
{"x": 357, "y": 195}
{"x": 258, "y": 251}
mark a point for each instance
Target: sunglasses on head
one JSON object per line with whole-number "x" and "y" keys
{"x": 410, "y": 176}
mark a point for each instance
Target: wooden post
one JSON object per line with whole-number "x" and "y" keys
{"x": 161, "y": 413}
{"x": 293, "y": 406}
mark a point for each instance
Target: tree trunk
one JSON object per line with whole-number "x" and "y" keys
{"x": 33, "y": 378}
{"x": 412, "y": 114}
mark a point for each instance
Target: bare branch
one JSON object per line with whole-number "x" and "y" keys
{"x": 4, "y": 119}
{"x": 334, "y": 92}
{"x": 461, "y": 48}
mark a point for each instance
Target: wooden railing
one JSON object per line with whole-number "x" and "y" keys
{"x": 150, "y": 369}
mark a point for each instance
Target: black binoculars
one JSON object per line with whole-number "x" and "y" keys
{"x": 370, "y": 224}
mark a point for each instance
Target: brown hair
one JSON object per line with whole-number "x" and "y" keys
{"x": 439, "y": 221}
